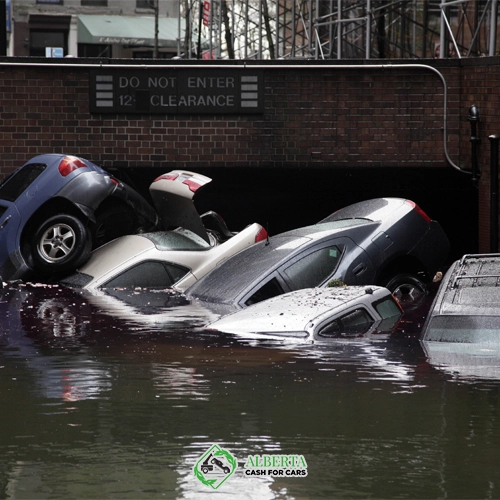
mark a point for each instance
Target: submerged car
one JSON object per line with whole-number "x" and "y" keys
{"x": 466, "y": 308}
{"x": 388, "y": 242}
{"x": 190, "y": 246}
{"x": 317, "y": 314}
{"x": 56, "y": 208}
{"x": 159, "y": 259}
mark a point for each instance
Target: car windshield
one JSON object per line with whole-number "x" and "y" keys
{"x": 19, "y": 181}
{"x": 465, "y": 329}
{"x": 228, "y": 280}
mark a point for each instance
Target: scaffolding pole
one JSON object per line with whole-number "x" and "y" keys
{"x": 350, "y": 29}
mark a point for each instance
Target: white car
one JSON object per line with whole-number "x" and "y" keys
{"x": 188, "y": 248}
{"x": 317, "y": 313}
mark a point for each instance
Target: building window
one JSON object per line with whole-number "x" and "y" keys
{"x": 94, "y": 3}
{"x": 93, "y": 50}
{"x": 145, "y": 4}
{"x": 48, "y": 31}
{"x": 57, "y": 2}
{"x": 41, "y": 39}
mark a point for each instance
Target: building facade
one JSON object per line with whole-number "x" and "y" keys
{"x": 94, "y": 28}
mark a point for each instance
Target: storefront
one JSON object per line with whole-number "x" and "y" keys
{"x": 128, "y": 36}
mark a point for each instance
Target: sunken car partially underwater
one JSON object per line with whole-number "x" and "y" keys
{"x": 188, "y": 246}
{"x": 339, "y": 312}
{"x": 389, "y": 242}
{"x": 466, "y": 308}
{"x": 56, "y": 208}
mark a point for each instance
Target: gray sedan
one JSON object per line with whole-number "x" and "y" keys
{"x": 389, "y": 242}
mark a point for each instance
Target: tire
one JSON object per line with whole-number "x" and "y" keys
{"x": 61, "y": 244}
{"x": 407, "y": 288}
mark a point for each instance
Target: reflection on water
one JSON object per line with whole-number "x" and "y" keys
{"x": 465, "y": 361}
{"x": 103, "y": 401}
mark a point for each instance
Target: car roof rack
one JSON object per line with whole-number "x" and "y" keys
{"x": 462, "y": 269}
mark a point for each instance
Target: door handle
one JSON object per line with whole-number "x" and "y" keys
{"x": 5, "y": 221}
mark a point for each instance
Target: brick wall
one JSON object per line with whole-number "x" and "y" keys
{"x": 315, "y": 116}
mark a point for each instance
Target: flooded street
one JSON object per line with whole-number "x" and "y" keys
{"x": 101, "y": 399}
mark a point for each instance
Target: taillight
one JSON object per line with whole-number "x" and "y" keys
{"x": 167, "y": 177}
{"x": 192, "y": 185}
{"x": 70, "y": 164}
{"x": 419, "y": 211}
{"x": 261, "y": 235}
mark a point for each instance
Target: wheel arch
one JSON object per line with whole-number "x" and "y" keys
{"x": 403, "y": 264}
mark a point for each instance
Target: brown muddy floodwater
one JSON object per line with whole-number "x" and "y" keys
{"x": 103, "y": 399}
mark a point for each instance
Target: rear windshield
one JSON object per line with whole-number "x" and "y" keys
{"x": 19, "y": 181}
{"x": 387, "y": 308}
{"x": 180, "y": 239}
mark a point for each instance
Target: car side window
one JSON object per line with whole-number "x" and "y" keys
{"x": 314, "y": 268}
{"x": 151, "y": 274}
{"x": 271, "y": 289}
{"x": 353, "y": 323}
{"x": 20, "y": 180}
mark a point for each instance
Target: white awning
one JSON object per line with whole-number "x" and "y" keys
{"x": 134, "y": 31}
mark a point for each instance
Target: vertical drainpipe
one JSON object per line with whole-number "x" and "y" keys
{"x": 473, "y": 118}
{"x": 494, "y": 139}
